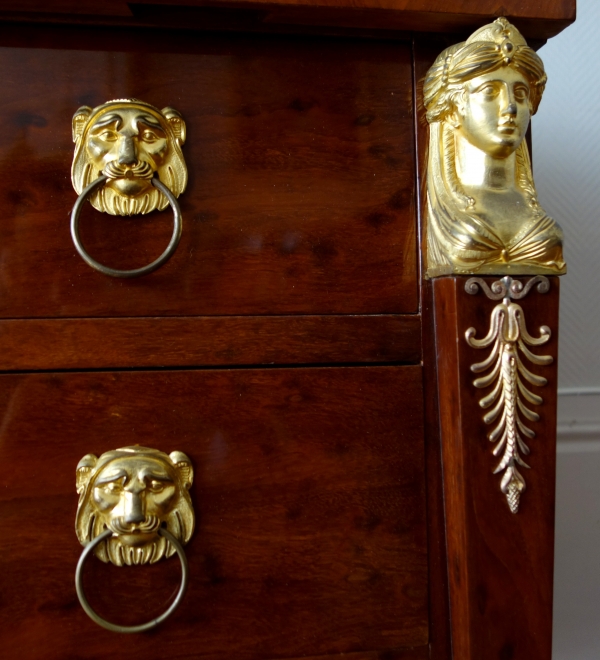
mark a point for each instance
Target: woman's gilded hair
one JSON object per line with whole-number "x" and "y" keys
{"x": 491, "y": 47}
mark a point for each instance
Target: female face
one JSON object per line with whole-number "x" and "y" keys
{"x": 494, "y": 111}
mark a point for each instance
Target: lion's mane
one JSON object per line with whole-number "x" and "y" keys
{"x": 89, "y": 523}
{"x": 173, "y": 172}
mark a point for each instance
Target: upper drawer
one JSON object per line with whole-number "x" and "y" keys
{"x": 301, "y": 189}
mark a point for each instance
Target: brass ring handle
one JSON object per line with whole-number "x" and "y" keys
{"x": 89, "y": 548}
{"x": 136, "y": 272}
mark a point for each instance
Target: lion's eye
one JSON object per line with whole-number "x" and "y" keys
{"x": 156, "y": 486}
{"x": 114, "y": 486}
{"x": 149, "y": 136}
{"x": 108, "y": 136}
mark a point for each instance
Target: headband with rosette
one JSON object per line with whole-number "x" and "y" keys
{"x": 488, "y": 48}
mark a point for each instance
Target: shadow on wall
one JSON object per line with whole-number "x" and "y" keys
{"x": 566, "y": 155}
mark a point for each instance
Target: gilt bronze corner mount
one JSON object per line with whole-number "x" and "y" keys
{"x": 509, "y": 378}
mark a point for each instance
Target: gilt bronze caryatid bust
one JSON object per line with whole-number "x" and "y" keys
{"x": 483, "y": 215}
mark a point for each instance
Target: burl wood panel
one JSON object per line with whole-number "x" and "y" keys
{"x": 301, "y": 190}
{"x": 500, "y": 563}
{"x": 49, "y": 344}
{"x": 309, "y": 494}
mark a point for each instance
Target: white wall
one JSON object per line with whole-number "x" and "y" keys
{"x": 566, "y": 155}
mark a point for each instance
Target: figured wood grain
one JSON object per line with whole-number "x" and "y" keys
{"x": 201, "y": 341}
{"x": 310, "y": 503}
{"x": 500, "y": 563}
{"x": 536, "y": 18}
{"x": 300, "y": 198}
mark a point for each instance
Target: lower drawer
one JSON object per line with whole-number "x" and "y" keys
{"x": 309, "y": 495}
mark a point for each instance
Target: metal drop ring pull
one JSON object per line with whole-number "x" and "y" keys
{"x": 136, "y": 272}
{"x": 142, "y": 626}
{"x": 134, "y": 509}
{"x": 137, "y": 149}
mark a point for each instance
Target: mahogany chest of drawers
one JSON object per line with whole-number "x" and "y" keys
{"x": 288, "y": 347}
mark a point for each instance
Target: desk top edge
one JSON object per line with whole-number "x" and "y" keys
{"x": 537, "y": 19}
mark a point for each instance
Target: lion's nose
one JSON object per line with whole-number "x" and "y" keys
{"x": 134, "y": 512}
{"x": 127, "y": 155}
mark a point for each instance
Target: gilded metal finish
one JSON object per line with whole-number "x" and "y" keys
{"x": 128, "y": 160}
{"x": 483, "y": 215}
{"x": 129, "y": 141}
{"x": 507, "y": 374}
{"x": 136, "y": 272}
{"x": 133, "y": 492}
{"x": 143, "y": 626}
{"x": 134, "y": 508}
{"x": 507, "y": 287}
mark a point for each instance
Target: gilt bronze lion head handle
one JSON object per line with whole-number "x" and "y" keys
{"x": 128, "y": 161}
{"x": 134, "y": 508}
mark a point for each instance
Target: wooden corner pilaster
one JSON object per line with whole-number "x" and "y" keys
{"x": 500, "y": 563}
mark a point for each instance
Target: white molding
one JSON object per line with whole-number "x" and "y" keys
{"x": 578, "y": 391}
{"x": 579, "y": 417}
{"x": 575, "y": 446}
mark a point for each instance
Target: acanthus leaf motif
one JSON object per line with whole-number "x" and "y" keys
{"x": 509, "y": 400}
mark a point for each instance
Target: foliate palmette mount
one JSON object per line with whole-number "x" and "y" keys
{"x": 507, "y": 375}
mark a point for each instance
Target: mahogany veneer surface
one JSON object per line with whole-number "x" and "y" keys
{"x": 45, "y": 344}
{"x": 300, "y": 198}
{"x": 309, "y": 495}
{"x": 500, "y": 563}
{"x": 538, "y": 19}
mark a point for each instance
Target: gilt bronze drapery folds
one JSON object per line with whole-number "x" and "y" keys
{"x": 483, "y": 216}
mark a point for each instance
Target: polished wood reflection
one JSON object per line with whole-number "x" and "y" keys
{"x": 310, "y": 501}
{"x": 46, "y": 344}
{"x": 300, "y": 198}
{"x": 501, "y": 564}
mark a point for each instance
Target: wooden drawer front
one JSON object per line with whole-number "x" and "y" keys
{"x": 309, "y": 495}
{"x": 300, "y": 155}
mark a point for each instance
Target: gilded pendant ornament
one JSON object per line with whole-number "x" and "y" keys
{"x": 483, "y": 214}
{"x": 510, "y": 397}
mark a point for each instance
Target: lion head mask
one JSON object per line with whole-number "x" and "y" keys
{"x": 129, "y": 141}
{"x": 132, "y": 491}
